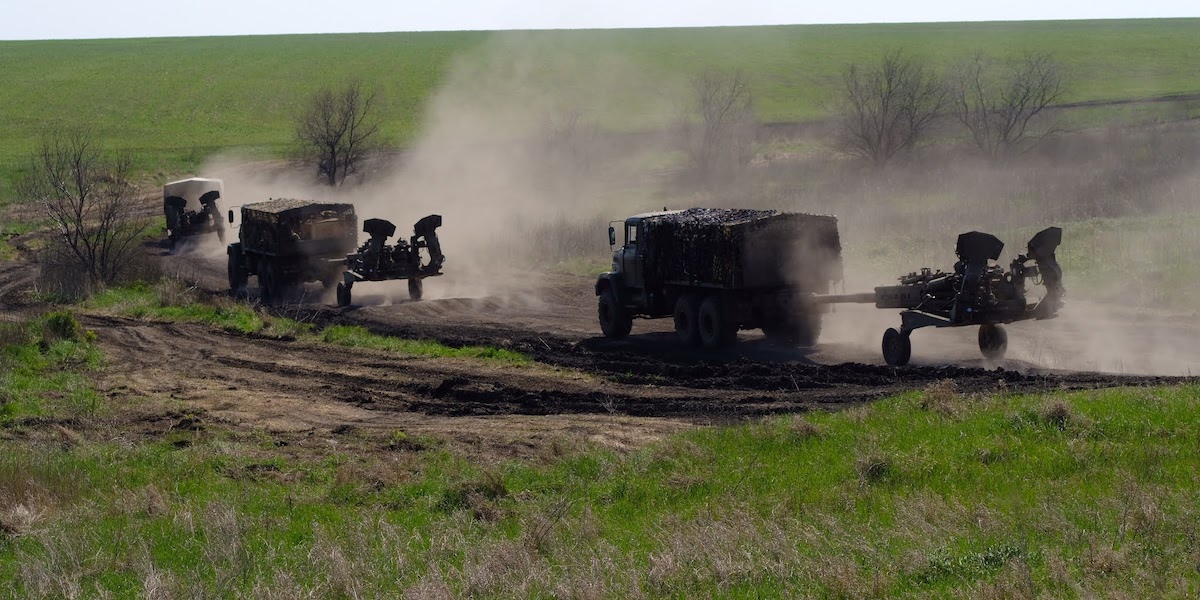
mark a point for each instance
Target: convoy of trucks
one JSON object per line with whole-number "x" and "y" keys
{"x": 713, "y": 271}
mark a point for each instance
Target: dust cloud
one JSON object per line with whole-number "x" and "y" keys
{"x": 532, "y": 145}
{"x": 517, "y": 152}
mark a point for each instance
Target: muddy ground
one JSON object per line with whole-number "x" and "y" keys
{"x": 583, "y": 388}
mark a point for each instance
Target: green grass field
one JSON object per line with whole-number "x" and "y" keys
{"x": 927, "y": 494}
{"x": 176, "y": 101}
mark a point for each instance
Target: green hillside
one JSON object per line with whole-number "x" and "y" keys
{"x": 179, "y": 99}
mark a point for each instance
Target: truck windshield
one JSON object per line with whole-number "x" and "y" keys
{"x": 630, "y": 234}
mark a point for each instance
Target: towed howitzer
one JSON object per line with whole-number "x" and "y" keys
{"x": 205, "y": 217}
{"x": 376, "y": 260}
{"x": 975, "y": 293}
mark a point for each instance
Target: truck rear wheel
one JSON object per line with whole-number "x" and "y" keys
{"x": 716, "y": 329}
{"x": 687, "y": 326}
{"x": 237, "y": 276}
{"x": 615, "y": 321}
{"x": 268, "y": 280}
{"x": 343, "y": 295}
{"x": 801, "y": 330}
{"x": 415, "y": 288}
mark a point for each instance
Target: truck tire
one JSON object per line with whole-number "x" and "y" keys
{"x": 799, "y": 330}
{"x": 415, "y": 288}
{"x": 343, "y": 295}
{"x": 268, "y": 280}
{"x": 716, "y": 329}
{"x": 237, "y": 276}
{"x": 687, "y": 326}
{"x": 615, "y": 321}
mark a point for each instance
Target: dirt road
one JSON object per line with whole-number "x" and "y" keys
{"x": 583, "y": 387}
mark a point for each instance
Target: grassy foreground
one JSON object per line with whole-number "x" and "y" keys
{"x": 930, "y": 493}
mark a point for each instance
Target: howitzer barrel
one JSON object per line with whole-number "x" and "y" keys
{"x": 863, "y": 298}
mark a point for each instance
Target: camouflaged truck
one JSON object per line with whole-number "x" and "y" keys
{"x": 286, "y": 242}
{"x": 717, "y": 271}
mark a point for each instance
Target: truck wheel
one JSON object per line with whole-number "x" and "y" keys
{"x": 615, "y": 321}
{"x": 415, "y": 287}
{"x": 716, "y": 331}
{"x": 993, "y": 341}
{"x": 799, "y": 330}
{"x": 237, "y": 277}
{"x": 343, "y": 295}
{"x": 897, "y": 348}
{"x": 808, "y": 328}
{"x": 268, "y": 282}
{"x": 687, "y": 310}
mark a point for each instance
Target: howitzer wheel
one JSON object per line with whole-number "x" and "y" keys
{"x": 897, "y": 347}
{"x": 716, "y": 329}
{"x": 415, "y": 288}
{"x": 615, "y": 321}
{"x": 687, "y": 326}
{"x": 343, "y": 295}
{"x": 993, "y": 341}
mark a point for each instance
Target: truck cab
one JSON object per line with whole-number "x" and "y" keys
{"x": 627, "y": 277}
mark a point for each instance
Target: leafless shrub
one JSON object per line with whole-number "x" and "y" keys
{"x": 335, "y": 131}
{"x": 888, "y": 108}
{"x": 718, "y": 129}
{"x": 89, "y": 197}
{"x": 1000, "y": 102}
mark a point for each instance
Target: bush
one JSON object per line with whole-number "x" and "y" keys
{"x": 61, "y": 326}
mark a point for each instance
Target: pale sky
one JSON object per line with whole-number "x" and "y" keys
{"x": 73, "y": 19}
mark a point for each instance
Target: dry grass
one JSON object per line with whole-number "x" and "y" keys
{"x": 942, "y": 397}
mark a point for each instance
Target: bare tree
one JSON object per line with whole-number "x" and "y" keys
{"x": 89, "y": 197}
{"x": 336, "y": 129}
{"x": 889, "y": 107}
{"x": 719, "y": 129}
{"x": 999, "y": 103}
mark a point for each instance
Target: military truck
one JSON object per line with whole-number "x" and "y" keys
{"x": 286, "y": 242}
{"x": 190, "y": 207}
{"x": 718, "y": 271}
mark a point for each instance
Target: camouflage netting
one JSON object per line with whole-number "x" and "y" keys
{"x": 742, "y": 248}
{"x": 280, "y": 225}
